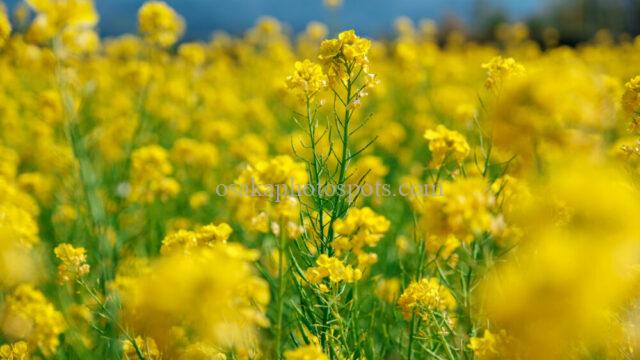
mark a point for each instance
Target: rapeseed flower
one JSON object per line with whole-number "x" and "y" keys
{"x": 73, "y": 262}
{"x": 160, "y": 24}
{"x": 446, "y": 144}
{"x": 425, "y": 297}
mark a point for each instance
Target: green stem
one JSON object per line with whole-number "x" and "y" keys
{"x": 89, "y": 181}
{"x": 316, "y": 171}
{"x": 107, "y": 313}
{"x": 411, "y": 336}
{"x": 281, "y": 292}
{"x": 337, "y": 204}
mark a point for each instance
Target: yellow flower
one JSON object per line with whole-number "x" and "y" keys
{"x": 21, "y": 226}
{"x": 159, "y": 23}
{"x": 446, "y": 144}
{"x": 74, "y": 262}
{"x": 489, "y": 346}
{"x": 464, "y": 212}
{"x": 193, "y": 53}
{"x": 361, "y": 227}
{"x": 306, "y": 352}
{"x": 424, "y": 297}
{"x": 388, "y": 289}
{"x": 80, "y": 41}
{"x": 147, "y": 346}
{"x": 334, "y": 269}
{"x": 16, "y": 351}
{"x": 354, "y": 47}
{"x": 5, "y": 26}
{"x": 306, "y": 80}
{"x": 186, "y": 241}
{"x": 198, "y": 200}
{"x": 38, "y": 184}
{"x": 631, "y": 96}
{"x": 53, "y": 16}
{"x": 201, "y": 351}
{"x": 213, "y": 292}
{"x": 29, "y": 316}
{"x": 499, "y": 69}
{"x": 339, "y": 54}
{"x": 150, "y": 168}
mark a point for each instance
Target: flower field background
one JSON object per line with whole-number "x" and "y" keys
{"x": 116, "y": 243}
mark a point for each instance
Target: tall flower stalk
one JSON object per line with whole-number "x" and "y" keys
{"x": 326, "y": 279}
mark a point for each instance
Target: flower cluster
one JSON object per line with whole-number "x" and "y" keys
{"x": 360, "y": 228}
{"x": 489, "y": 346}
{"x": 16, "y": 351}
{"x": 631, "y": 96}
{"x": 499, "y": 69}
{"x": 306, "y": 80}
{"x": 446, "y": 144}
{"x": 266, "y": 201}
{"x": 425, "y": 297}
{"x": 28, "y": 315}
{"x": 180, "y": 290}
{"x": 205, "y": 236}
{"x": 74, "y": 17}
{"x": 150, "y": 180}
{"x": 160, "y": 24}
{"x": 73, "y": 262}
{"x": 332, "y": 268}
{"x": 5, "y": 26}
{"x": 342, "y": 54}
{"x": 464, "y": 213}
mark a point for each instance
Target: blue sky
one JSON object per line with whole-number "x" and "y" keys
{"x": 369, "y": 17}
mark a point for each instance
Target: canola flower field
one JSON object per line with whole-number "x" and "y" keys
{"x": 115, "y": 242}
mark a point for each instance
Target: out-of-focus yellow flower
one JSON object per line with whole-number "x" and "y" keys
{"x": 147, "y": 347}
{"x": 201, "y": 351}
{"x": 548, "y": 271}
{"x": 198, "y": 200}
{"x": 8, "y": 163}
{"x": 53, "y": 16}
{"x": 16, "y": 351}
{"x": 490, "y": 346}
{"x": 38, "y": 184}
{"x": 193, "y": 53}
{"x": 388, "y": 290}
{"x": 306, "y": 352}
{"x": 5, "y": 26}
{"x": 80, "y": 41}
{"x": 159, "y": 23}
{"x": 306, "y": 80}
{"x": 499, "y": 69}
{"x": 333, "y": 3}
{"x": 195, "y": 155}
{"x": 73, "y": 262}
{"x": 150, "y": 170}
{"x": 213, "y": 293}
{"x": 29, "y": 316}
{"x": 446, "y": 144}
{"x": 424, "y": 297}
{"x": 20, "y": 224}
{"x": 464, "y": 212}
{"x": 631, "y": 96}
{"x": 187, "y": 241}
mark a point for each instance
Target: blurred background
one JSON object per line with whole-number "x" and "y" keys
{"x": 575, "y": 20}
